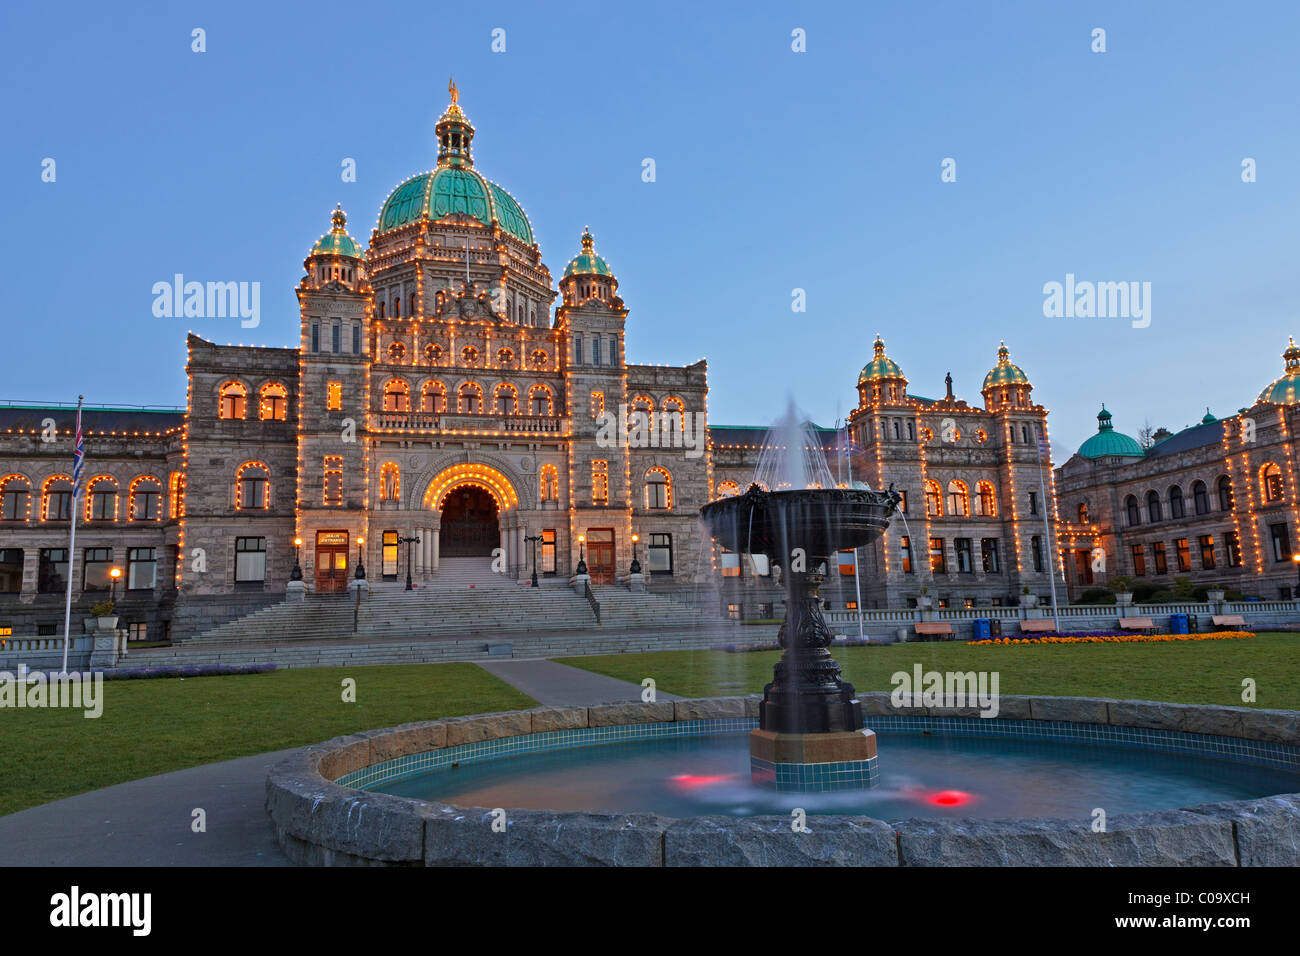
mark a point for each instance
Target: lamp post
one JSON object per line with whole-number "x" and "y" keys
{"x": 636, "y": 565}
{"x": 296, "y": 573}
{"x": 116, "y": 573}
{"x": 1296, "y": 558}
{"x": 533, "y": 538}
{"x": 582, "y": 561}
{"x": 408, "y": 541}
{"x": 361, "y": 567}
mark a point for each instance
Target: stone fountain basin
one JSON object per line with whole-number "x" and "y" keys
{"x": 318, "y": 821}
{"x": 821, "y": 521}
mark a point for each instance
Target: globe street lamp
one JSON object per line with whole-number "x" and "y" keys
{"x": 636, "y": 565}
{"x": 534, "y": 538}
{"x": 1296, "y": 558}
{"x": 413, "y": 539}
{"x": 296, "y": 573}
{"x": 116, "y": 573}
{"x": 361, "y": 568}
{"x": 582, "y": 561}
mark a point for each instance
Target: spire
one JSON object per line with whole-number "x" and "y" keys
{"x": 339, "y": 220}
{"x": 1103, "y": 420}
{"x": 1292, "y": 357}
{"x": 878, "y": 346}
{"x": 454, "y": 132}
{"x": 1004, "y": 356}
{"x": 588, "y": 242}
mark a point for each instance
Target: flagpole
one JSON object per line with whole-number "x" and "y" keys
{"x": 1047, "y": 528}
{"x": 72, "y": 535}
{"x": 857, "y": 576}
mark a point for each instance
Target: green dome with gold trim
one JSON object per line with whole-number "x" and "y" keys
{"x": 1005, "y": 373}
{"x": 881, "y": 366}
{"x": 587, "y": 263}
{"x": 1286, "y": 390}
{"x": 1108, "y": 443}
{"x": 337, "y": 242}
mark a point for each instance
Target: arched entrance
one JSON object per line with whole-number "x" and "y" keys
{"x": 470, "y": 526}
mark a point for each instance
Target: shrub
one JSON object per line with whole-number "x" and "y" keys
{"x": 1096, "y": 596}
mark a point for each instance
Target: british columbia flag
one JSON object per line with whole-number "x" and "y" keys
{"x": 78, "y": 457}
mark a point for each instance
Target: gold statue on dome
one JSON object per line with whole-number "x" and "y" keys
{"x": 451, "y": 88}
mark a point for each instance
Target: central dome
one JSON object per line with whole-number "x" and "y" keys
{"x": 454, "y": 190}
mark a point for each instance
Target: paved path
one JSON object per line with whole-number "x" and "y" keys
{"x": 560, "y": 685}
{"x": 147, "y": 822}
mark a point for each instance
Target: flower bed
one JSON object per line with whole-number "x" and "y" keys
{"x": 1118, "y": 638}
{"x": 185, "y": 670}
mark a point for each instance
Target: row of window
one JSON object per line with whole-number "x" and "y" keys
{"x": 1183, "y": 554}
{"x": 52, "y": 570}
{"x": 469, "y": 355}
{"x": 272, "y": 404}
{"x": 103, "y": 499}
{"x": 469, "y": 398}
{"x": 1178, "y": 504}
{"x": 598, "y": 353}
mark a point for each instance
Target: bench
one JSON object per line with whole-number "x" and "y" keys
{"x": 1136, "y": 624}
{"x": 1043, "y": 626}
{"x": 933, "y": 629}
{"x": 1228, "y": 620}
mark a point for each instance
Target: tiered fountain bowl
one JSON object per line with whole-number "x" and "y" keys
{"x": 810, "y": 735}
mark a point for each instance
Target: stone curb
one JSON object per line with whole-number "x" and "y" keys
{"x": 318, "y": 822}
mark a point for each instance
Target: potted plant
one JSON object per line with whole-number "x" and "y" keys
{"x": 924, "y": 600}
{"x": 1123, "y": 588}
{"x": 105, "y": 618}
{"x": 1027, "y": 599}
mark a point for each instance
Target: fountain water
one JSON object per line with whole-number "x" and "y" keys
{"x": 810, "y": 734}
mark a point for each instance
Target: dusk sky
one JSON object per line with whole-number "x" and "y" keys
{"x": 775, "y": 170}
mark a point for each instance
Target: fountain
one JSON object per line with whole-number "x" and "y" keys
{"x": 810, "y": 735}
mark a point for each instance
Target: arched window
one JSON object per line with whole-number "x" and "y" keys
{"x": 550, "y": 483}
{"x": 1131, "y": 508}
{"x": 176, "y": 494}
{"x": 728, "y": 488}
{"x": 469, "y": 355}
{"x": 933, "y": 500}
{"x": 101, "y": 498}
{"x": 396, "y": 352}
{"x": 658, "y": 489}
{"x": 1176, "y": 509}
{"x": 505, "y": 357}
{"x": 56, "y": 498}
{"x": 433, "y": 353}
{"x": 433, "y": 397}
{"x": 1227, "y": 501}
{"x": 539, "y": 401}
{"x": 234, "y": 400}
{"x": 469, "y": 399}
{"x": 1270, "y": 483}
{"x": 15, "y": 498}
{"x": 674, "y": 404}
{"x": 1153, "y": 507}
{"x": 1200, "y": 498}
{"x": 274, "y": 404}
{"x": 145, "y": 499}
{"x": 1082, "y": 512}
{"x": 538, "y": 357}
{"x": 986, "y": 501}
{"x": 397, "y": 395}
{"x": 252, "y": 486}
{"x": 958, "y": 499}
{"x": 390, "y": 481}
{"x": 505, "y": 400}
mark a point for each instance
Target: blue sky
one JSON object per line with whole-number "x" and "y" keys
{"x": 775, "y": 170}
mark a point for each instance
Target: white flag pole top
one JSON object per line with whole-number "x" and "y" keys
{"x": 78, "y": 457}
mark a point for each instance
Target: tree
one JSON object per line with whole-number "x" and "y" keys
{"x": 1144, "y": 434}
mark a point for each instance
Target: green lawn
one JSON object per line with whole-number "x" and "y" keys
{"x": 1195, "y": 672}
{"x": 153, "y": 726}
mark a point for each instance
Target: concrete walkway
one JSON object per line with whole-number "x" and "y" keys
{"x": 148, "y": 822}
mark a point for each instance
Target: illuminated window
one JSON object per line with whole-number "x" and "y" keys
{"x": 388, "y": 555}
{"x": 433, "y": 352}
{"x": 906, "y": 550}
{"x": 274, "y": 405}
{"x": 986, "y": 500}
{"x": 1183, "y": 554}
{"x": 1206, "y": 541}
{"x": 334, "y": 397}
{"x": 469, "y": 355}
{"x": 933, "y": 500}
{"x": 729, "y": 561}
{"x": 1158, "y": 554}
{"x": 252, "y": 486}
{"x": 938, "y": 562}
{"x": 1138, "y": 553}
{"x": 145, "y": 500}
{"x": 539, "y": 400}
{"x": 728, "y": 488}
{"x": 56, "y": 498}
{"x": 1281, "y": 540}
{"x": 333, "y": 479}
{"x": 397, "y": 396}
{"x": 678, "y": 406}
{"x": 397, "y": 351}
{"x": 433, "y": 397}
{"x": 234, "y": 400}
{"x": 658, "y": 489}
{"x": 1226, "y": 499}
{"x": 15, "y": 498}
{"x": 958, "y": 499}
{"x": 538, "y": 358}
{"x": 507, "y": 356}
{"x": 101, "y": 499}
{"x": 505, "y": 400}
{"x": 1232, "y": 546}
{"x": 550, "y": 483}
{"x": 469, "y": 399}
{"x": 600, "y": 482}
{"x": 1082, "y": 512}
{"x": 547, "y": 559}
{"x": 597, "y": 404}
{"x": 1270, "y": 480}
{"x": 390, "y": 482}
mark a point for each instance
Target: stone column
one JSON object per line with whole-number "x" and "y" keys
{"x": 434, "y": 562}
{"x": 417, "y": 553}
{"x": 521, "y": 551}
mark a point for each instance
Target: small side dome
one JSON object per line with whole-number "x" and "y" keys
{"x": 1108, "y": 443}
{"x": 337, "y": 242}
{"x": 1208, "y": 419}
{"x": 1005, "y": 373}
{"x": 1286, "y": 390}
{"x": 587, "y": 263}
{"x": 881, "y": 366}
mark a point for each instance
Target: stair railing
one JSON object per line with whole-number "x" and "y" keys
{"x": 591, "y": 599}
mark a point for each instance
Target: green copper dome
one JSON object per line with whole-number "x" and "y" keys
{"x": 452, "y": 190}
{"x": 1208, "y": 419}
{"x": 1108, "y": 443}
{"x": 337, "y": 242}
{"x": 1004, "y": 373}
{"x": 880, "y": 366}
{"x": 1286, "y": 390}
{"x": 587, "y": 263}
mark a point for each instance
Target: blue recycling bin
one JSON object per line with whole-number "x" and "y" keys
{"x": 1177, "y": 623}
{"x": 980, "y": 629}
